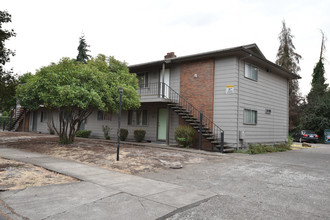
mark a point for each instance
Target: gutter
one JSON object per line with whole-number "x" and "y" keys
{"x": 293, "y": 76}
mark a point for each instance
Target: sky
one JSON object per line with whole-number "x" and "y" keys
{"x": 145, "y": 30}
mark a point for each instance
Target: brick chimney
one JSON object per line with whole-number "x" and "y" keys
{"x": 170, "y": 55}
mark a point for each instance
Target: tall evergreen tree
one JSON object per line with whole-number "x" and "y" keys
{"x": 317, "y": 111}
{"x": 82, "y": 50}
{"x": 7, "y": 80}
{"x": 319, "y": 87}
{"x": 289, "y": 59}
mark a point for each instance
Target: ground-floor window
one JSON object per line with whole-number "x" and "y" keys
{"x": 250, "y": 117}
{"x": 103, "y": 116}
{"x": 138, "y": 117}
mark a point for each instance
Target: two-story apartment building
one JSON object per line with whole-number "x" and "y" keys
{"x": 241, "y": 96}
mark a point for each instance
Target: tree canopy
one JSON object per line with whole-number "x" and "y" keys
{"x": 74, "y": 90}
{"x": 82, "y": 50}
{"x": 8, "y": 84}
{"x": 289, "y": 59}
{"x": 7, "y": 80}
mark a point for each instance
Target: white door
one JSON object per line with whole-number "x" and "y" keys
{"x": 166, "y": 81}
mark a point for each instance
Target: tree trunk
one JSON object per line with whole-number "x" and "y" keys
{"x": 70, "y": 121}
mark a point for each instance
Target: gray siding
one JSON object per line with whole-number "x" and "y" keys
{"x": 42, "y": 127}
{"x": 96, "y": 125}
{"x": 225, "y": 105}
{"x": 269, "y": 92}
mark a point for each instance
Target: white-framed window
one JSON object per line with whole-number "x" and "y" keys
{"x": 138, "y": 117}
{"x": 103, "y": 116}
{"x": 250, "y": 117}
{"x": 143, "y": 79}
{"x": 99, "y": 115}
{"x": 251, "y": 72}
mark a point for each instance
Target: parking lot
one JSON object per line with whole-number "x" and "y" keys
{"x": 286, "y": 185}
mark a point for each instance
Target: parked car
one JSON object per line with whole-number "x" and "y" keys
{"x": 305, "y": 136}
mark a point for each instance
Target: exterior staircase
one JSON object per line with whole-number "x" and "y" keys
{"x": 16, "y": 122}
{"x": 195, "y": 118}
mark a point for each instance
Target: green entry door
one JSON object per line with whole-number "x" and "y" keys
{"x": 162, "y": 119}
{"x": 35, "y": 121}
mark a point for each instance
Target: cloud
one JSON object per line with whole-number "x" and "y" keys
{"x": 196, "y": 19}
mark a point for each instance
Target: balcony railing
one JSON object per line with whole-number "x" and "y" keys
{"x": 154, "y": 89}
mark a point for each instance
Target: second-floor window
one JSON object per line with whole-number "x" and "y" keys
{"x": 251, "y": 72}
{"x": 143, "y": 79}
{"x": 138, "y": 117}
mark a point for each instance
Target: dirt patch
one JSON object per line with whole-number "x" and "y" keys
{"x": 102, "y": 153}
{"x": 17, "y": 175}
{"x": 4, "y": 135}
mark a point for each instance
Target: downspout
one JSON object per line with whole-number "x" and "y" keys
{"x": 238, "y": 91}
{"x": 163, "y": 78}
{"x": 168, "y": 108}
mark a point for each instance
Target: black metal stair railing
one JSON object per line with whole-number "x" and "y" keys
{"x": 12, "y": 125}
{"x": 162, "y": 90}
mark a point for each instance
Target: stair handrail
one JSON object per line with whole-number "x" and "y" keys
{"x": 217, "y": 132}
{"x": 12, "y": 125}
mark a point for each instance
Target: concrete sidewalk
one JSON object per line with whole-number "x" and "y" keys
{"x": 101, "y": 193}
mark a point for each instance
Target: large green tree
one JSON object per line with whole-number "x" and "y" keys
{"x": 8, "y": 83}
{"x": 289, "y": 59}
{"x": 317, "y": 111}
{"x": 319, "y": 87}
{"x": 73, "y": 90}
{"x": 82, "y": 50}
{"x": 7, "y": 79}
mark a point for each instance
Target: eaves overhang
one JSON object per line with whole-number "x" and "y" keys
{"x": 250, "y": 52}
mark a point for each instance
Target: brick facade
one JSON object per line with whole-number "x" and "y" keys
{"x": 198, "y": 90}
{"x": 197, "y": 86}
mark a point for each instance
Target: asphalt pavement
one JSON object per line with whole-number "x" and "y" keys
{"x": 285, "y": 185}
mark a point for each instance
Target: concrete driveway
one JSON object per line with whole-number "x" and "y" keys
{"x": 286, "y": 185}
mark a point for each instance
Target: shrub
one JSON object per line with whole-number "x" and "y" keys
{"x": 4, "y": 121}
{"x": 181, "y": 142}
{"x": 139, "y": 135}
{"x": 290, "y": 140}
{"x": 123, "y": 134}
{"x": 83, "y": 133}
{"x": 261, "y": 149}
{"x": 282, "y": 147}
{"x": 184, "y": 135}
{"x": 106, "y": 129}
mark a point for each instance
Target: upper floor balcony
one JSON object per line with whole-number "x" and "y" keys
{"x": 154, "y": 92}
